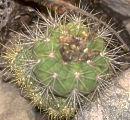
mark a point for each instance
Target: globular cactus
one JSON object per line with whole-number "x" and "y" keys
{"x": 64, "y": 65}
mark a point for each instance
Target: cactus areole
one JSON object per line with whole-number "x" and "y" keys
{"x": 63, "y": 66}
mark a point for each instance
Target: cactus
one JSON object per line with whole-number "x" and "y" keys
{"x": 65, "y": 65}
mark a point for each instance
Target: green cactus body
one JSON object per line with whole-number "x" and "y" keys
{"x": 62, "y": 76}
{"x": 66, "y": 63}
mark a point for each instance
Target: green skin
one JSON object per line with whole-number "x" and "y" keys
{"x": 61, "y": 77}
